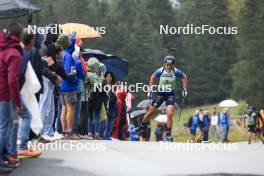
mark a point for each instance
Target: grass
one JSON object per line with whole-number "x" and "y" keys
{"x": 181, "y": 133}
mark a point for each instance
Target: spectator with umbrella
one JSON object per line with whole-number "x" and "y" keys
{"x": 225, "y": 123}
{"x": 225, "y": 118}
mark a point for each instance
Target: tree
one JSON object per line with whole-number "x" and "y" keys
{"x": 248, "y": 75}
{"x": 208, "y": 58}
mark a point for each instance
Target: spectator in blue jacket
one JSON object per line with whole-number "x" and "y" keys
{"x": 193, "y": 124}
{"x": 224, "y": 123}
{"x": 205, "y": 126}
{"x": 68, "y": 88}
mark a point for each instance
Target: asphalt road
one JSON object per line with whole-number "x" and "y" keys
{"x": 94, "y": 158}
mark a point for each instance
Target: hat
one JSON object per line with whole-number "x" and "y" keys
{"x": 64, "y": 41}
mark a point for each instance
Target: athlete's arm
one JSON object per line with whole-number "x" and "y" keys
{"x": 154, "y": 77}
{"x": 184, "y": 81}
{"x": 152, "y": 80}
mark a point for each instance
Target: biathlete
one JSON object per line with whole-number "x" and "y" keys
{"x": 167, "y": 75}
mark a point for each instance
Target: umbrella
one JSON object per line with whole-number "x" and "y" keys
{"x": 116, "y": 65}
{"x": 144, "y": 104}
{"x": 228, "y": 103}
{"x": 82, "y": 30}
{"x": 16, "y": 8}
{"x": 137, "y": 113}
{"x": 88, "y": 53}
{"x": 163, "y": 106}
{"x": 162, "y": 118}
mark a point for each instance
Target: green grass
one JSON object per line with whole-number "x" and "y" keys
{"x": 181, "y": 133}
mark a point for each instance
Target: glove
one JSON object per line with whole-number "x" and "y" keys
{"x": 184, "y": 93}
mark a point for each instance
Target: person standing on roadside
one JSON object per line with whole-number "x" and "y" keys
{"x": 10, "y": 59}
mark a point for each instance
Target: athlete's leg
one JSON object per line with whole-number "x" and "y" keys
{"x": 158, "y": 100}
{"x": 146, "y": 118}
{"x": 170, "y": 102}
{"x": 249, "y": 137}
{"x": 169, "y": 112}
{"x": 149, "y": 114}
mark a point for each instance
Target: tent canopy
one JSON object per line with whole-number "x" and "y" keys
{"x": 16, "y": 8}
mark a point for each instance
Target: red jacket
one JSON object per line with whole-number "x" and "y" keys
{"x": 120, "y": 123}
{"x": 10, "y": 58}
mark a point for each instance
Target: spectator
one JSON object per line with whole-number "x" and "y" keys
{"x": 24, "y": 128}
{"x": 119, "y": 131}
{"x": 111, "y": 106}
{"x": 46, "y": 102}
{"x": 95, "y": 98}
{"x": 205, "y": 126}
{"x": 10, "y": 105}
{"x": 215, "y": 120}
{"x": 193, "y": 124}
{"x": 224, "y": 123}
{"x": 103, "y": 114}
{"x": 159, "y": 131}
{"x": 80, "y": 88}
{"x": 145, "y": 135}
{"x": 68, "y": 88}
{"x": 61, "y": 72}
{"x": 199, "y": 133}
{"x": 58, "y": 127}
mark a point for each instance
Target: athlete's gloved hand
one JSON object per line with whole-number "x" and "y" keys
{"x": 184, "y": 93}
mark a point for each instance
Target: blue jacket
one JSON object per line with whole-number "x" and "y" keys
{"x": 80, "y": 74}
{"x": 195, "y": 121}
{"x": 205, "y": 121}
{"x": 79, "y": 71}
{"x": 23, "y": 66}
{"x": 69, "y": 63}
{"x": 224, "y": 119}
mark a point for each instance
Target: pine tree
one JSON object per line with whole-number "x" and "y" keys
{"x": 208, "y": 58}
{"x": 248, "y": 75}
{"x": 145, "y": 48}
